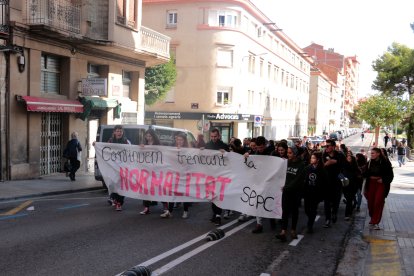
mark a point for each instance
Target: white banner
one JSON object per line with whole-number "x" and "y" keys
{"x": 159, "y": 173}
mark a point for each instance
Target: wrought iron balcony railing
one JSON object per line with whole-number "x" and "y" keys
{"x": 60, "y": 14}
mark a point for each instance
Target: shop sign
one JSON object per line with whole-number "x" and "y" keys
{"x": 94, "y": 87}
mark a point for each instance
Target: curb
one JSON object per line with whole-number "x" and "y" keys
{"x": 50, "y": 194}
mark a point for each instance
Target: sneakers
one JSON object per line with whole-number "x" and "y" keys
{"x": 327, "y": 224}
{"x": 377, "y": 227}
{"x": 293, "y": 234}
{"x": 166, "y": 214}
{"x": 242, "y": 218}
{"x": 185, "y": 215}
{"x": 227, "y": 214}
{"x": 146, "y": 211}
{"x": 217, "y": 220}
{"x": 258, "y": 229}
{"x": 118, "y": 206}
{"x": 110, "y": 202}
{"x": 281, "y": 237}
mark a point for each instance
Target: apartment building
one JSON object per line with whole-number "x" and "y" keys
{"x": 344, "y": 72}
{"x": 237, "y": 71}
{"x": 323, "y": 103}
{"x": 69, "y": 65}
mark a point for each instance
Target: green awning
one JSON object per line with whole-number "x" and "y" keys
{"x": 95, "y": 103}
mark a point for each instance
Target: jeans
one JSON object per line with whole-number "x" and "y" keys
{"x": 401, "y": 160}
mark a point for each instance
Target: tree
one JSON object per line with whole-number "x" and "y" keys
{"x": 159, "y": 80}
{"x": 395, "y": 77}
{"x": 380, "y": 110}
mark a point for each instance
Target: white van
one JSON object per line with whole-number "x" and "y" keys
{"x": 135, "y": 134}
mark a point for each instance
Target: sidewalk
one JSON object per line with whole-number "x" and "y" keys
{"x": 47, "y": 185}
{"x": 389, "y": 251}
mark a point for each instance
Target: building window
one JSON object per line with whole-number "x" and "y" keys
{"x": 222, "y": 18}
{"x": 224, "y": 58}
{"x": 126, "y": 83}
{"x": 93, "y": 71}
{"x": 50, "y": 74}
{"x": 261, "y": 68}
{"x": 223, "y": 96}
{"x": 170, "y": 97}
{"x": 252, "y": 64}
{"x": 171, "y": 19}
{"x": 126, "y": 12}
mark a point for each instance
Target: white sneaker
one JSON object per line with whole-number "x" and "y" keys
{"x": 377, "y": 227}
{"x": 185, "y": 215}
{"x": 166, "y": 214}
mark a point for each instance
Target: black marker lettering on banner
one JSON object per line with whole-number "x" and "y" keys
{"x": 124, "y": 156}
{"x": 249, "y": 164}
{"x": 253, "y": 199}
{"x": 209, "y": 160}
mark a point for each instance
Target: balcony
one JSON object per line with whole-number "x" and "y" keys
{"x": 4, "y": 18}
{"x": 62, "y": 15}
{"x": 155, "y": 42}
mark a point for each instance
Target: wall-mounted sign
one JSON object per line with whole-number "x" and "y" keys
{"x": 95, "y": 87}
{"x": 198, "y": 116}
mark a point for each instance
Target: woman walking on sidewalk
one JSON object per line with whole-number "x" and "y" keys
{"x": 379, "y": 175}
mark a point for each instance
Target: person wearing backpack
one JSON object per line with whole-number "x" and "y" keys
{"x": 72, "y": 152}
{"x": 401, "y": 154}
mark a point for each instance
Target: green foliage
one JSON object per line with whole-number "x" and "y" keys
{"x": 395, "y": 70}
{"x": 159, "y": 80}
{"x": 380, "y": 110}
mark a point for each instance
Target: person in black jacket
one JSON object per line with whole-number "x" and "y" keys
{"x": 216, "y": 143}
{"x": 291, "y": 193}
{"x": 352, "y": 172}
{"x": 72, "y": 152}
{"x": 315, "y": 178}
{"x": 118, "y": 137}
{"x": 333, "y": 162}
{"x": 379, "y": 175}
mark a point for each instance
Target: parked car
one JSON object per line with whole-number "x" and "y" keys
{"x": 135, "y": 134}
{"x": 334, "y": 136}
{"x": 316, "y": 139}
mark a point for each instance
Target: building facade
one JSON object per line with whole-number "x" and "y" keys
{"x": 69, "y": 65}
{"x": 237, "y": 71}
{"x": 323, "y": 104}
{"x": 344, "y": 72}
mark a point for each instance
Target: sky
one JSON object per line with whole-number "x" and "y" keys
{"x": 365, "y": 28}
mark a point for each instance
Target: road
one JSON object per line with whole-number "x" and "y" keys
{"x": 79, "y": 234}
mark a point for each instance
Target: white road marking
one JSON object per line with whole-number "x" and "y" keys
{"x": 185, "y": 245}
{"x": 272, "y": 267}
{"x": 199, "y": 249}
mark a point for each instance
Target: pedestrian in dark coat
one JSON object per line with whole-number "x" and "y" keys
{"x": 72, "y": 152}
{"x": 292, "y": 192}
{"x": 379, "y": 175}
{"x": 315, "y": 179}
{"x": 352, "y": 172}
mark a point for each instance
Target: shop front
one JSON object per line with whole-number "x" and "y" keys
{"x": 229, "y": 124}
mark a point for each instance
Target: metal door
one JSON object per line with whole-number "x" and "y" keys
{"x": 51, "y": 141}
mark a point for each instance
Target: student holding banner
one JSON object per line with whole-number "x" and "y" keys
{"x": 150, "y": 138}
{"x": 292, "y": 191}
{"x": 118, "y": 137}
{"x": 216, "y": 143}
{"x": 261, "y": 149}
{"x": 180, "y": 142}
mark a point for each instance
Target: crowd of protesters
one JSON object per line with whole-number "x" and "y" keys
{"x": 317, "y": 174}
